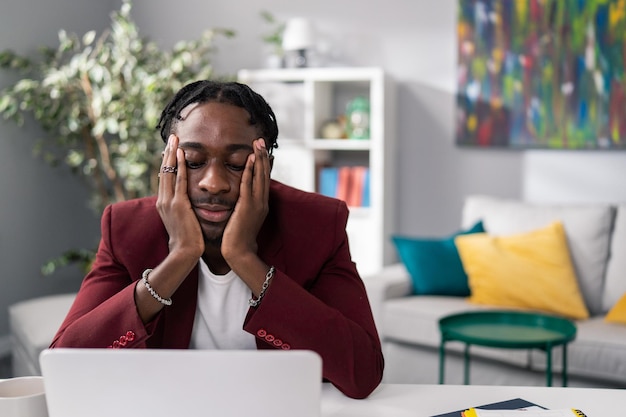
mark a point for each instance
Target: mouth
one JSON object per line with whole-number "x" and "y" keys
{"x": 213, "y": 213}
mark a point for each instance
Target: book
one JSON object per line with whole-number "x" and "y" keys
{"x": 524, "y": 412}
{"x": 511, "y": 408}
{"x": 366, "y": 187}
{"x": 515, "y": 403}
{"x": 355, "y": 191}
{"x": 344, "y": 183}
{"x": 328, "y": 179}
{"x": 348, "y": 183}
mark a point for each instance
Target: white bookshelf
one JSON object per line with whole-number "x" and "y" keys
{"x": 303, "y": 100}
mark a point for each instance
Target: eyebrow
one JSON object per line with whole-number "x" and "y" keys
{"x": 230, "y": 148}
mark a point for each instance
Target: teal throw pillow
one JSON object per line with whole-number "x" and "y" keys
{"x": 434, "y": 264}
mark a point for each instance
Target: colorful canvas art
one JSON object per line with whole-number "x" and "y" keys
{"x": 542, "y": 74}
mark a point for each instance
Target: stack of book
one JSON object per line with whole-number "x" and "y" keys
{"x": 516, "y": 407}
{"x": 348, "y": 183}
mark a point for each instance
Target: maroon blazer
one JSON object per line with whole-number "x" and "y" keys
{"x": 316, "y": 300}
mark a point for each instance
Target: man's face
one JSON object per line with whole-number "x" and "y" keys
{"x": 217, "y": 139}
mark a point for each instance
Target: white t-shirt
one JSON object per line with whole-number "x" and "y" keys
{"x": 221, "y": 310}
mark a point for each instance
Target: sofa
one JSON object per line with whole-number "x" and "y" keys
{"x": 33, "y": 324}
{"x": 407, "y": 315}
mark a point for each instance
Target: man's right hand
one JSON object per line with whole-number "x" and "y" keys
{"x": 173, "y": 203}
{"x": 186, "y": 244}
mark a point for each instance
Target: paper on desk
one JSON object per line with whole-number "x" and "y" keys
{"x": 523, "y": 412}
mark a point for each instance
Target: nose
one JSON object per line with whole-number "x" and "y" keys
{"x": 214, "y": 179}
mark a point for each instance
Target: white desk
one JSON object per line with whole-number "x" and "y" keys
{"x": 400, "y": 400}
{"x": 407, "y": 400}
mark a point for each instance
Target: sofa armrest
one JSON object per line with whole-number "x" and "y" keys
{"x": 392, "y": 281}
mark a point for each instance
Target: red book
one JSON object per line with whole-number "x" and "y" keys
{"x": 355, "y": 196}
{"x": 343, "y": 184}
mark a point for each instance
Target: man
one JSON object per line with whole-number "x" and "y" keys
{"x": 224, "y": 257}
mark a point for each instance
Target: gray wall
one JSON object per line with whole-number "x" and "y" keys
{"x": 43, "y": 210}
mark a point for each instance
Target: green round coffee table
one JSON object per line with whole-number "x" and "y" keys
{"x": 507, "y": 329}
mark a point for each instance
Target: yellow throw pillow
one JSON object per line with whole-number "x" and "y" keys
{"x": 528, "y": 270}
{"x": 617, "y": 313}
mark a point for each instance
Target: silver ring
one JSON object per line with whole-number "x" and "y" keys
{"x": 169, "y": 170}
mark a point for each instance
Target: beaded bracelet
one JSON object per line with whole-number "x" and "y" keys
{"x": 144, "y": 279}
{"x": 266, "y": 283}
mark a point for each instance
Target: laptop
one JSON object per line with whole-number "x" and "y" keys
{"x": 189, "y": 383}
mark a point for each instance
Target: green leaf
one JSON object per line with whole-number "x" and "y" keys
{"x": 89, "y": 37}
{"x": 99, "y": 96}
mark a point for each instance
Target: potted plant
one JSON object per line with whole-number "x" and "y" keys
{"x": 98, "y": 100}
{"x": 274, "y": 40}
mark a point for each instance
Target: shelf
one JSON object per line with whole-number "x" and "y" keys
{"x": 304, "y": 100}
{"x": 360, "y": 212}
{"x": 339, "y": 144}
{"x": 327, "y": 144}
{"x": 337, "y": 74}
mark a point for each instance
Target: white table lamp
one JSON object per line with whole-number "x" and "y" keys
{"x": 297, "y": 38}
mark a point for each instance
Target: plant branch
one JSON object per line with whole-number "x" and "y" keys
{"x": 103, "y": 147}
{"x": 101, "y": 188}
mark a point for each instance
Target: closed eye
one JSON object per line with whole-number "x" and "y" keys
{"x": 235, "y": 167}
{"x": 194, "y": 165}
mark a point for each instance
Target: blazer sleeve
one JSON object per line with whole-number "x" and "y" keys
{"x": 330, "y": 316}
{"x": 104, "y": 313}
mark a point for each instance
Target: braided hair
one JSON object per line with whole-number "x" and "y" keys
{"x": 228, "y": 92}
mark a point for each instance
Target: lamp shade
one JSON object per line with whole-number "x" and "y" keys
{"x": 298, "y": 34}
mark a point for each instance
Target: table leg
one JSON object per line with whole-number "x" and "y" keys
{"x": 442, "y": 353}
{"x": 549, "y": 366}
{"x": 466, "y": 364}
{"x": 564, "y": 364}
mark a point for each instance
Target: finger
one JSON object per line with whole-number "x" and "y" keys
{"x": 261, "y": 170}
{"x": 180, "y": 189}
{"x": 166, "y": 179}
{"x": 166, "y": 155}
{"x": 247, "y": 178}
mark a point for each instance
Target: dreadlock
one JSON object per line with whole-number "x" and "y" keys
{"x": 234, "y": 93}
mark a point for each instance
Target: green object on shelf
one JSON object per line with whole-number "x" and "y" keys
{"x": 509, "y": 330}
{"x": 358, "y": 118}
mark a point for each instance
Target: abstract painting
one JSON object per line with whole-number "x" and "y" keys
{"x": 546, "y": 74}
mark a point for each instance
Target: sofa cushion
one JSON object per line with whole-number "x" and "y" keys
{"x": 434, "y": 264}
{"x": 33, "y": 324}
{"x": 414, "y": 320}
{"x": 531, "y": 270}
{"x": 588, "y": 229}
{"x": 615, "y": 282}
{"x": 617, "y": 314}
{"x": 599, "y": 351}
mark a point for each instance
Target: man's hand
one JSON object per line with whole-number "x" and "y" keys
{"x": 239, "y": 240}
{"x": 186, "y": 243}
{"x": 239, "y": 246}
{"x": 174, "y": 206}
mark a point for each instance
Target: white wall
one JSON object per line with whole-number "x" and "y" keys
{"x": 576, "y": 177}
{"x": 413, "y": 40}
